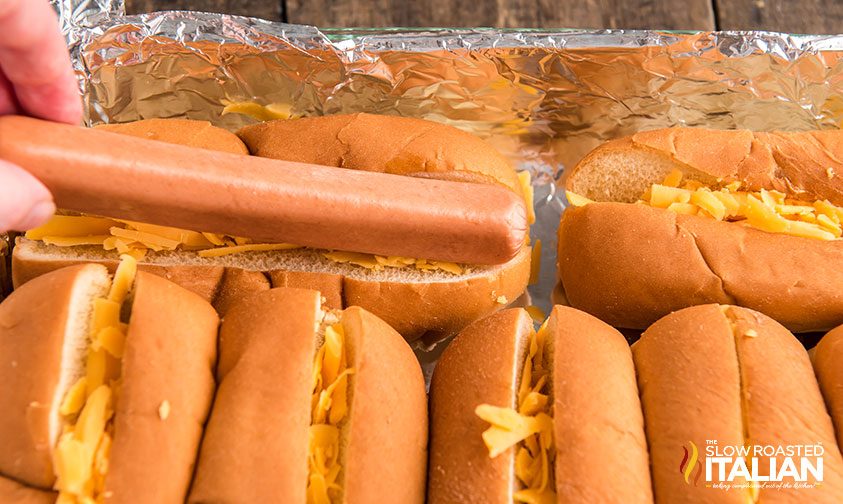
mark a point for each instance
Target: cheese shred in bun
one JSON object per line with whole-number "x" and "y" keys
{"x": 223, "y": 268}
{"x": 82, "y": 453}
{"x": 313, "y": 405}
{"x": 108, "y": 382}
{"x": 529, "y": 427}
{"x": 678, "y": 217}
{"x": 513, "y": 413}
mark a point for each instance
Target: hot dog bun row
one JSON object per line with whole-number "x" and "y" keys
{"x": 418, "y": 299}
{"x": 113, "y": 392}
{"x": 631, "y": 425}
{"x": 307, "y": 404}
{"x": 774, "y": 246}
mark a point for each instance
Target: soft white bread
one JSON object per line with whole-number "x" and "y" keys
{"x": 416, "y": 303}
{"x": 631, "y": 264}
{"x": 169, "y": 355}
{"x": 255, "y": 447}
{"x": 806, "y": 164}
{"x": 737, "y": 377}
{"x": 43, "y": 337}
{"x": 828, "y": 365}
{"x": 600, "y": 446}
{"x": 12, "y": 492}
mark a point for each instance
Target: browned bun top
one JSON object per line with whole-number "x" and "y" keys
{"x": 255, "y": 445}
{"x": 631, "y": 264}
{"x": 481, "y": 366}
{"x": 189, "y": 132}
{"x": 828, "y": 365}
{"x": 385, "y": 452}
{"x": 33, "y": 322}
{"x": 689, "y": 381}
{"x": 783, "y": 401}
{"x": 12, "y": 492}
{"x": 601, "y": 452}
{"x": 735, "y": 376}
{"x": 806, "y": 164}
{"x": 167, "y": 387}
{"x": 398, "y": 145}
{"x": 601, "y": 449}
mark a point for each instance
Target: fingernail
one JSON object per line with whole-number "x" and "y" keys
{"x": 38, "y": 214}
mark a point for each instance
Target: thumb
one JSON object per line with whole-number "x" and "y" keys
{"x": 24, "y": 201}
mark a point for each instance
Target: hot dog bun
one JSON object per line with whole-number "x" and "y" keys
{"x": 828, "y": 365}
{"x": 369, "y": 142}
{"x": 189, "y": 132}
{"x": 600, "y": 449}
{"x": 630, "y": 264}
{"x": 256, "y": 443}
{"x": 734, "y": 376}
{"x": 165, "y": 376}
{"x": 34, "y": 322}
{"x": 415, "y": 302}
{"x": 789, "y": 162}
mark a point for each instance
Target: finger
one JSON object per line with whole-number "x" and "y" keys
{"x": 24, "y": 201}
{"x": 8, "y": 104}
{"x": 34, "y": 57}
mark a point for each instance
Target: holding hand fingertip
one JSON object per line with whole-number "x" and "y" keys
{"x": 24, "y": 201}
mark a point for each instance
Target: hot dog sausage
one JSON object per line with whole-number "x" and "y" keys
{"x": 103, "y": 173}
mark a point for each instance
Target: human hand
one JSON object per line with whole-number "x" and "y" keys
{"x": 36, "y": 79}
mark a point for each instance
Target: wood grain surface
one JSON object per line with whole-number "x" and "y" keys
{"x": 794, "y": 16}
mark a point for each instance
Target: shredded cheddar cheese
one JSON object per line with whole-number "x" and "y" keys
{"x": 136, "y": 238}
{"x": 258, "y": 111}
{"x": 530, "y": 428}
{"x": 378, "y": 263}
{"x": 535, "y": 263}
{"x": 329, "y": 406}
{"x": 81, "y": 455}
{"x": 250, "y": 247}
{"x": 576, "y": 200}
{"x": 770, "y": 211}
{"x": 536, "y": 313}
{"x": 527, "y": 189}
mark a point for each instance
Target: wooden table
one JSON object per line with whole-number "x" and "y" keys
{"x": 793, "y": 16}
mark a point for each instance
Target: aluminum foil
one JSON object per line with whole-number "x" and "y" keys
{"x": 544, "y": 98}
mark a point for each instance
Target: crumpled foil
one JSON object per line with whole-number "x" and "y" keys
{"x": 543, "y": 98}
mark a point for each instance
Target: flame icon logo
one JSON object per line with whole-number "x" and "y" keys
{"x": 690, "y": 461}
